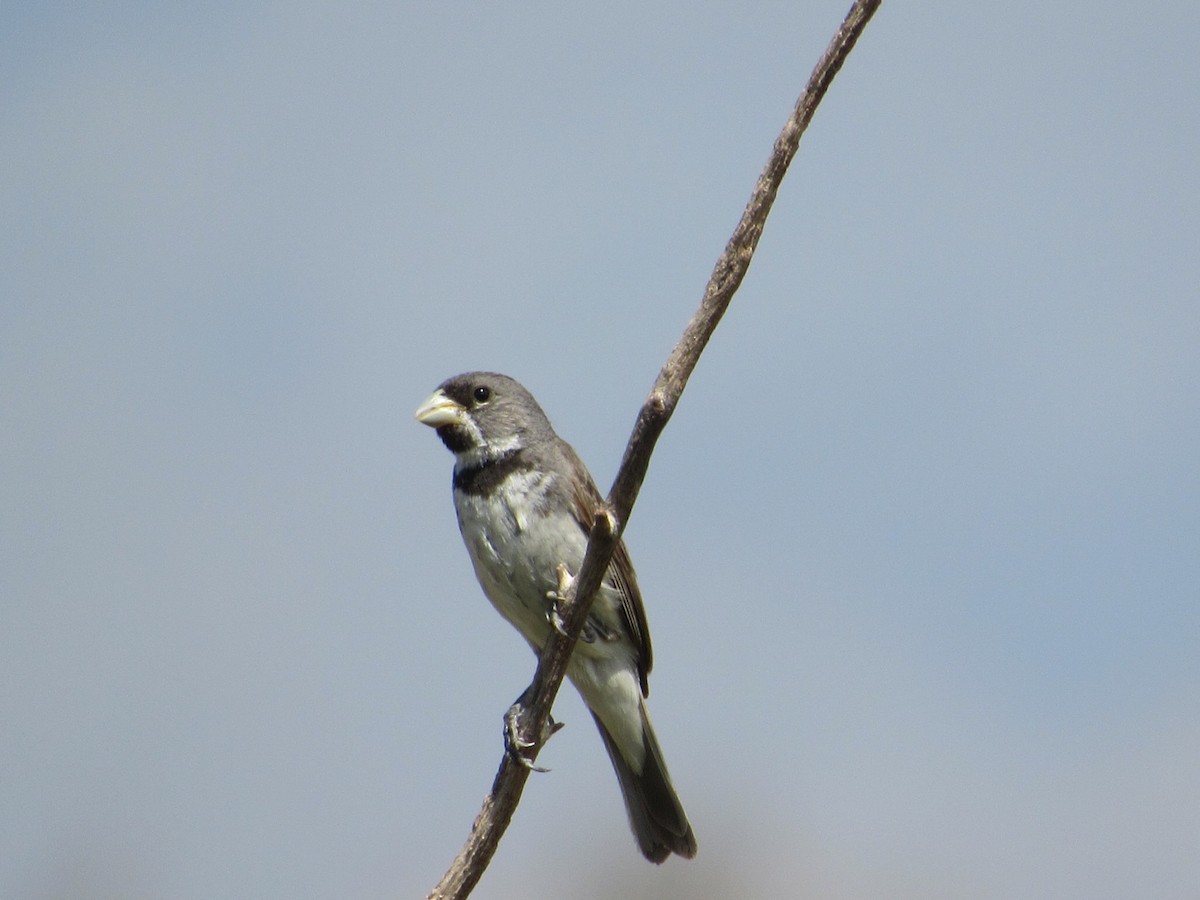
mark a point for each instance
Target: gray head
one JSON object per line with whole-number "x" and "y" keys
{"x": 484, "y": 415}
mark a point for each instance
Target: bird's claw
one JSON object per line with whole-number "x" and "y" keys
{"x": 516, "y": 745}
{"x": 559, "y": 597}
{"x": 556, "y": 619}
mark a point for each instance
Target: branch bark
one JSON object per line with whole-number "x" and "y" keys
{"x": 500, "y": 804}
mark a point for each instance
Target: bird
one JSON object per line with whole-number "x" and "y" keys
{"x": 525, "y": 503}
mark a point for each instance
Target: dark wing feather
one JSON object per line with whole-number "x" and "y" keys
{"x": 586, "y": 500}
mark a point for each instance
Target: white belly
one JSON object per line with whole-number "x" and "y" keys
{"x": 515, "y": 557}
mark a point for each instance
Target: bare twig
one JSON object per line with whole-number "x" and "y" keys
{"x": 501, "y": 803}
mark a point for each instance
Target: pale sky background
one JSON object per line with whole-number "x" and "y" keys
{"x": 920, "y": 548}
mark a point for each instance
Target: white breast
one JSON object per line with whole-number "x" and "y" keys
{"x": 516, "y": 543}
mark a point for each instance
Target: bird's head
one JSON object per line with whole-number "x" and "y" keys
{"x": 483, "y": 415}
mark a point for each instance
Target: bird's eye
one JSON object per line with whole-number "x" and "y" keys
{"x": 482, "y": 394}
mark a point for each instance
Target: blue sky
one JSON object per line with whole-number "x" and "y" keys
{"x": 920, "y": 548}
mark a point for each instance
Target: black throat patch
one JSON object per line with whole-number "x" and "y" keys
{"x": 455, "y": 437}
{"x": 488, "y": 475}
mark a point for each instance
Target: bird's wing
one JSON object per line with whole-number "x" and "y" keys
{"x": 586, "y": 501}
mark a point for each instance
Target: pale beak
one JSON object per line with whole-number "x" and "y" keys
{"x": 440, "y": 410}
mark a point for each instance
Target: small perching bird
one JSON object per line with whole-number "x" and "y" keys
{"x": 525, "y": 503}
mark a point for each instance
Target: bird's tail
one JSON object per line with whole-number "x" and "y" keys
{"x": 655, "y": 813}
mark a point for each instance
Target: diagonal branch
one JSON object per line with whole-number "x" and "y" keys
{"x": 731, "y": 267}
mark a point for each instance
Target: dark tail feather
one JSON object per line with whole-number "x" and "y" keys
{"x": 655, "y": 813}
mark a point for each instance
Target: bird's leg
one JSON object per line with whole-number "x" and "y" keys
{"x": 559, "y": 598}
{"x": 515, "y": 742}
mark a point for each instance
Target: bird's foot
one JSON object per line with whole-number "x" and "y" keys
{"x": 517, "y": 744}
{"x": 559, "y": 598}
